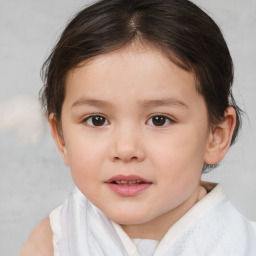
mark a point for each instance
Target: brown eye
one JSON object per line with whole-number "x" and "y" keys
{"x": 96, "y": 120}
{"x": 159, "y": 120}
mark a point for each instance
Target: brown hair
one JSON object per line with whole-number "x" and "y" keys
{"x": 181, "y": 30}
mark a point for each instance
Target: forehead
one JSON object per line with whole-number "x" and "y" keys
{"x": 129, "y": 76}
{"x": 140, "y": 66}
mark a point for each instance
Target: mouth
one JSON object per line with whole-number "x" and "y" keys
{"x": 128, "y": 185}
{"x": 128, "y": 182}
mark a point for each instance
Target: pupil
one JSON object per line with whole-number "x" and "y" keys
{"x": 98, "y": 120}
{"x": 159, "y": 120}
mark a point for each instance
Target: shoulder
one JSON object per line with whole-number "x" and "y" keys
{"x": 39, "y": 242}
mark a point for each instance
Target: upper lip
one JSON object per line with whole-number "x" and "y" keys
{"x": 127, "y": 178}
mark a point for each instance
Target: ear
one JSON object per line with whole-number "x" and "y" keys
{"x": 220, "y": 138}
{"x": 58, "y": 138}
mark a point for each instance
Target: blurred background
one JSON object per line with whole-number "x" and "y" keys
{"x": 33, "y": 179}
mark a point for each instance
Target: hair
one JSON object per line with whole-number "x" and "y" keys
{"x": 178, "y": 28}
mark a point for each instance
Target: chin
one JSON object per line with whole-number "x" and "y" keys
{"x": 129, "y": 218}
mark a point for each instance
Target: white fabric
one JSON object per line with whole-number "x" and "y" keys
{"x": 55, "y": 224}
{"x": 145, "y": 247}
{"x": 212, "y": 227}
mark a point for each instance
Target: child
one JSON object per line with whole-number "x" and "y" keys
{"x": 139, "y": 101}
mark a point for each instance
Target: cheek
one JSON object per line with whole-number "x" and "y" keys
{"x": 85, "y": 157}
{"x": 85, "y": 171}
{"x": 180, "y": 155}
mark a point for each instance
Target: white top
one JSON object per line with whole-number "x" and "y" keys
{"x": 211, "y": 227}
{"x": 145, "y": 247}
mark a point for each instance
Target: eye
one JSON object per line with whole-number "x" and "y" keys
{"x": 96, "y": 120}
{"x": 159, "y": 120}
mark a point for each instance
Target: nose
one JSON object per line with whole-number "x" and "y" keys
{"x": 127, "y": 146}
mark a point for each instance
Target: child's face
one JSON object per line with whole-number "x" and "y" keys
{"x": 149, "y": 121}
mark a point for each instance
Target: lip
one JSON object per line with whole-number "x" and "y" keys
{"x": 127, "y": 190}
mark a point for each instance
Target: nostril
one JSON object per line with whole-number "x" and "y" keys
{"x": 125, "y": 158}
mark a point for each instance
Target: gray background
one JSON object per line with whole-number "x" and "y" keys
{"x": 33, "y": 179}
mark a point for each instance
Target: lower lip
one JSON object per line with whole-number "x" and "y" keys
{"x": 129, "y": 190}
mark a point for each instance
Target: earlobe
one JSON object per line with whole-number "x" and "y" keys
{"x": 58, "y": 138}
{"x": 220, "y": 138}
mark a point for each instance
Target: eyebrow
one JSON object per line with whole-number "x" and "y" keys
{"x": 145, "y": 103}
{"x": 163, "y": 102}
{"x": 92, "y": 102}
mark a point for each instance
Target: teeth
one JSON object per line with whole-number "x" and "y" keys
{"x": 127, "y": 182}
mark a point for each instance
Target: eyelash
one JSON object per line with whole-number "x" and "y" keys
{"x": 163, "y": 118}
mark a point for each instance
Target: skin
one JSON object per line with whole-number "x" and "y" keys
{"x": 128, "y": 87}
{"x": 39, "y": 242}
